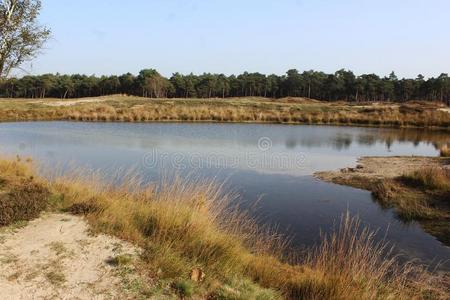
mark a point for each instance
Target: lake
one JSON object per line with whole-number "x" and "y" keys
{"x": 269, "y": 166}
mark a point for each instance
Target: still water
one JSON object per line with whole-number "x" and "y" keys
{"x": 271, "y": 165}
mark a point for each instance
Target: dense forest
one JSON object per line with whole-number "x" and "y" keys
{"x": 342, "y": 85}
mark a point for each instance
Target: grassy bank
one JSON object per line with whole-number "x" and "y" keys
{"x": 418, "y": 188}
{"x": 422, "y": 195}
{"x": 195, "y": 245}
{"x": 262, "y": 110}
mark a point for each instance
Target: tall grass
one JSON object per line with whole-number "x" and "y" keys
{"x": 362, "y": 267}
{"x": 182, "y": 224}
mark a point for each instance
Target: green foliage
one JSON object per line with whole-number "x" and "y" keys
{"x": 342, "y": 85}
{"x": 121, "y": 260}
{"x": 184, "y": 288}
{"x": 244, "y": 290}
{"x": 21, "y": 36}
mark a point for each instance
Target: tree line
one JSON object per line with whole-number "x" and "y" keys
{"x": 342, "y": 85}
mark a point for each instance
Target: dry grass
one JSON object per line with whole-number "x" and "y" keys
{"x": 186, "y": 224}
{"x": 181, "y": 224}
{"x": 434, "y": 179}
{"x": 421, "y": 195}
{"x": 445, "y": 151}
{"x": 409, "y": 204}
{"x": 361, "y": 267}
{"x": 134, "y": 109}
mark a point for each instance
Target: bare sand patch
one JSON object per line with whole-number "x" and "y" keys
{"x": 56, "y": 257}
{"x": 57, "y": 103}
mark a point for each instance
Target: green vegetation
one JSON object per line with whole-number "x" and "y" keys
{"x": 55, "y": 277}
{"x": 121, "y": 260}
{"x": 21, "y": 36}
{"x": 184, "y": 288}
{"x": 244, "y": 290}
{"x": 58, "y": 248}
{"x": 183, "y": 226}
{"x": 287, "y": 111}
{"x": 342, "y": 85}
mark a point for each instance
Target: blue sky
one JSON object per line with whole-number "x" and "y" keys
{"x": 231, "y": 36}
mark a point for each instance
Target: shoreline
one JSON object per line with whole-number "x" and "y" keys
{"x": 357, "y": 125}
{"x": 408, "y": 184}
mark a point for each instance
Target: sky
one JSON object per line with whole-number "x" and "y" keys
{"x": 103, "y": 37}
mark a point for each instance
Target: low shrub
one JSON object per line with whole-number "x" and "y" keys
{"x": 120, "y": 260}
{"x": 24, "y": 202}
{"x": 84, "y": 208}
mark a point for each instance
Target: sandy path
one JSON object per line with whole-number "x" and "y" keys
{"x": 55, "y": 257}
{"x": 71, "y": 102}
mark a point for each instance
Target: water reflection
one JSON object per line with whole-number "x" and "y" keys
{"x": 340, "y": 138}
{"x": 278, "y": 172}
